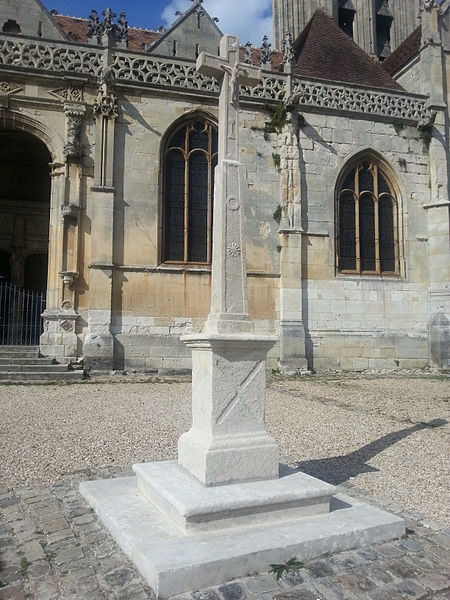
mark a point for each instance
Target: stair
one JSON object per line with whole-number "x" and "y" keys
{"x": 22, "y": 364}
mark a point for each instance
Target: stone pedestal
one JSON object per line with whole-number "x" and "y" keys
{"x": 228, "y": 441}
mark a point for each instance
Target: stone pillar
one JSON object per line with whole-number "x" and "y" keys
{"x": 436, "y": 133}
{"x": 60, "y": 337}
{"x": 99, "y": 342}
{"x": 292, "y": 331}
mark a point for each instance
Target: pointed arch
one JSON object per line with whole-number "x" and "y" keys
{"x": 188, "y": 160}
{"x": 368, "y": 217}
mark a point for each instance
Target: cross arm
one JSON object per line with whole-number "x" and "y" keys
{"x": 211, "y": 65}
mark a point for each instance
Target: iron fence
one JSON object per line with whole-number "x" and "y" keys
{"x": 20, "y": 315}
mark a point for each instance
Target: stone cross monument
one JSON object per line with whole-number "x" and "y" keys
{"x": 222, "y": 510}
{"x": 229, "y": 306}
{"x": 228, "y": 441}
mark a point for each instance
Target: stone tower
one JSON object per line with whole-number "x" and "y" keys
{"x": 378, "y": 26}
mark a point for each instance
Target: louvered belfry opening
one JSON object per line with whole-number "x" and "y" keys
{"x": 367, "y": 222}
{"x": 189, "y": 163}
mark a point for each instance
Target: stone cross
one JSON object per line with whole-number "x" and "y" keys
{"x": 229, "y": 305}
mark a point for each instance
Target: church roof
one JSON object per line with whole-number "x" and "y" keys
{"x": 324, "y": 51}
{"x": 76, "y": 29}
{"x": 404, "y": 53}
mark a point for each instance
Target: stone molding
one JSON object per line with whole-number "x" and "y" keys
{"x": 139, "y": 69}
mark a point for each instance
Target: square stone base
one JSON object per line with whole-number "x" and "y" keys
{"x": 174, "y": 561}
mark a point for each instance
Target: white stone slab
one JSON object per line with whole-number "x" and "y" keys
{"x": 174, "y": 563}
{"x": 194, "y": 507}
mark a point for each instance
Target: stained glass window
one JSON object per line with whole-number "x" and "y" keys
{"x": 367, "y": 222}
{"x": 191, "y": 156}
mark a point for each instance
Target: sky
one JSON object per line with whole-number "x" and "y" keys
{"x": 249, "y": 19}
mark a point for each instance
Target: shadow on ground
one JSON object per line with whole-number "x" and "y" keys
{"x": 338, "y": 469}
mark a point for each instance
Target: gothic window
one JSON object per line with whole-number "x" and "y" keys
{"x": 367, "y": 222}
{"x": 189, "y": 163}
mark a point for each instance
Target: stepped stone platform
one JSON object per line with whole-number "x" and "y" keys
{"x": 184, "y": 536}
{"x": 23, "y": 364}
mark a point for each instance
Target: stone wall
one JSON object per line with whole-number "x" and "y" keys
{"x": 359, "y": 322}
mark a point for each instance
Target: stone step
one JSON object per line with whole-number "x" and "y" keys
{"x": 6, "y": 349}
{"x": 31, "y": 377}
{"x": 12, "y": 360}
{"x": 33, "y": 368}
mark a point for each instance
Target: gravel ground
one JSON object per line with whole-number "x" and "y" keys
{"x": 388, "y": 436}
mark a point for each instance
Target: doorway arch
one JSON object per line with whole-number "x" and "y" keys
{"x": 24, "y": 234}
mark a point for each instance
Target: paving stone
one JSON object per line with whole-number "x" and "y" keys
{"x": 261, "y": 584}
{"x": 435, "y": 581}
{"x": 84, "y": 519}
{"x": 391, "y": 550}
{"x": 320, "y": 568}
{"x": 290, "y": 579}
{"x": 55, "y": 525}
{"x": 379, "y": 574}
{"x": 69, "y": 555}
{"x": 119, "y": 577}
{"x": 385, "y": 595}
{"x": 330, "y": 590}
{"x": 45, "y": 590}
{"x": 232, "y": 591}
{"x": 355, "y": 583}
{"x": 444, "y": 595}
{"x": 25, "y": 536}
{"x": 402, "y": 568}
{"x": 33, "y": 551}
{"x": 205, "y": 595}
{"x": 6, "y": 541}
{"x": 344, "y": 562}
{"x": 441, "y": 540}
{"x": 62, "y": 534}
{"x": 9, "y": 501}
{"x": 411, "y": 545}
{"x": 39, "y": 569}
{"x": 23, "y": 525}
{"x": 411, "y": 589}
{"x": 368, "y": 554}
{"x": 13, "y": 592}
{"x": 298, "y": 595}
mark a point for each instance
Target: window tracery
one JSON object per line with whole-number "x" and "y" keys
{"x": 368, "y": 230}
{"x": 189, "y": 163}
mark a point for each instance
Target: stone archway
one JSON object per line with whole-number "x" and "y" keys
{"x": 24, "y": 223}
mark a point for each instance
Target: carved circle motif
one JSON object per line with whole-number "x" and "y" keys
{"x": 233, "y": 203}
{"x": 234, "y": 249}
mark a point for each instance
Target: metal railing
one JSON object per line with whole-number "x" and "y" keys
{"x": 20, "y": 315}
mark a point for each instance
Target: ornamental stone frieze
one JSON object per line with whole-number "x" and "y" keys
{"x": 68, "y": 94}
{"x": 178, "y": 75}
{"x": 7, "y": 88}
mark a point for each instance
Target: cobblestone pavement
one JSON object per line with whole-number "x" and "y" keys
{"x": 53, "y": 548}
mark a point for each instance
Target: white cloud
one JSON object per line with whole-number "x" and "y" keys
{"x": 249, "y": 19}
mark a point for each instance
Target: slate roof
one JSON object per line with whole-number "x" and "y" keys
{"x": 76, "y": 28}
{"x": 324, "y": 51}
{"x": 404, "y": 53}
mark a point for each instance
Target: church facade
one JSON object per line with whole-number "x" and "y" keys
{"x": 108, "y": 139}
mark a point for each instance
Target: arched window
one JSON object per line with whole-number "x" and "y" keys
{"x": 367, "y": 222}
{"x": 189, "y": 162}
